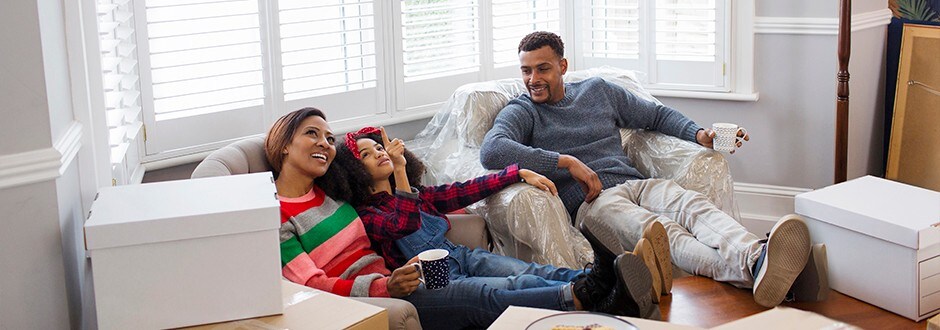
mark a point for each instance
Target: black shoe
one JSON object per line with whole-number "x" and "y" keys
{"x": 632, "y": 296}
{"x": 604, "y": 254}
{"x": 591, "y": 290}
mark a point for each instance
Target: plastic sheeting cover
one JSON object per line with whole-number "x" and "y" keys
{"x": 528, "y": 223}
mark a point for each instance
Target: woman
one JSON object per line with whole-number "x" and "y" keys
{"x": 324, "y": 244}
{"x": 410, "y": 220}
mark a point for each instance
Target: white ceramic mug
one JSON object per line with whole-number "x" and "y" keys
{"x": 726, "y": 136}
{"x": 434, "y": 269}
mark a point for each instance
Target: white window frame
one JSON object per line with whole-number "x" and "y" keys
{"x": 739, "y": 61}
{"x": 740, "y": 66}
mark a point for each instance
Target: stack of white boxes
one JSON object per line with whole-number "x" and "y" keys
{"x": 188, "y": 252}
{"x": 882, "y": 242}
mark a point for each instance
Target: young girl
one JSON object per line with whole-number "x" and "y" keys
{"x": 410, "y": 220}
{"x": 324, "y": 245}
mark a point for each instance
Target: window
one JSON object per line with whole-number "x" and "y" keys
{"x": 439, "y": 38}
{"x": 679, "y": 44}
{"x": 326, "y": 49}
{"x": 203, "y": 62}
{"x": 440, "y": 50}
{"x": 119, "y": 66}
{"x": 448, "y": 43}
{"x": 184, "y": 77}
{"x": 514, "y": 19}
{"x": 328, "y": 57}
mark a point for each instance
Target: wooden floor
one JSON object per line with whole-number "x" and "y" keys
{"x": 703, "y": 302}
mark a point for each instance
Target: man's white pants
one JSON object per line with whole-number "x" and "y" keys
{"x": 703, "y": 240}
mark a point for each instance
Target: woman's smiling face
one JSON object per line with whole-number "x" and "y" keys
{"x": 312, "y": 148}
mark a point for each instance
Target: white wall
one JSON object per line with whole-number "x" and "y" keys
{"x": 40, "y": 198}
{"x": 797, "y": 8}
{"x": 22, "y": 85}
{"x": 866, "y": 103}
{"x": 791, "y": 143}
{"x": 55, "y": 65}
{"x": 792, "y": 125}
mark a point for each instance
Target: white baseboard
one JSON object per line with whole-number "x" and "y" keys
{"x": 760, "y": 206}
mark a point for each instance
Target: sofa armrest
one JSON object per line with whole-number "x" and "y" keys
{"x": 402, "y": 315}
{"x": 468, "y": 230}
{"x": 690, "y": 165}
{"x": 658, "y": 155}
{"x": 239, "y": 157}
{"x": 533, "y": 225}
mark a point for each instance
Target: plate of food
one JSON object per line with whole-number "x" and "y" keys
{"x": 581, "y": 321}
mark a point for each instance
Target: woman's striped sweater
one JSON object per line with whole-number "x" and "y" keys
{"x": 324, "y": 246}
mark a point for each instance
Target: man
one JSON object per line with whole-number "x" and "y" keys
{"x": 570, "y": 133}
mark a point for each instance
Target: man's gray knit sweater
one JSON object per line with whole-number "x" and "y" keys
{"x": 584, "y": 124}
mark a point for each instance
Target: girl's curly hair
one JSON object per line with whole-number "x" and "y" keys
{"x": 348, "y": 180}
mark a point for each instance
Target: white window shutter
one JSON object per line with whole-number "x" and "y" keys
{"x": 513, "y": 20}
{"x": 678, "y": 44}
{"x": 440, "y": 49}
{"x": 611, "y": 34}
{"x": 203, "y": 68}
{"x": 121, "y": 87}
{"x": 689, "y": 44}
{"x": 328, "y": 57}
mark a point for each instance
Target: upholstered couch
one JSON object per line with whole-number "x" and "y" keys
{"x": 526, "y": 222}
{"x": 247, "y": 156}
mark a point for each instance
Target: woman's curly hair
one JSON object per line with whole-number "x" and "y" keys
{"x": 348, "y": 180}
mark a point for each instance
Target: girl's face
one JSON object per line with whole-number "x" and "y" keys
{"x": 375, "y": 159}
{"x": 311, "y": 149}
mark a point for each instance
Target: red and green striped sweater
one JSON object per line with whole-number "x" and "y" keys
{"x": 324, "y": 246}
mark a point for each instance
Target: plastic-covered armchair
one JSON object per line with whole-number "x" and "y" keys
{"x": 528, "y": 223}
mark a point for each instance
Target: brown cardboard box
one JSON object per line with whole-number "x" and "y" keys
{"x": 307, "y": 308}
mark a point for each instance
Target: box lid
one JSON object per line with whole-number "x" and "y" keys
{"x": 184, "y": 209}
{"x": 889, "y": 210}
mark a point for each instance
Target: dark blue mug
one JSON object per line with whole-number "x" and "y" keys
{"x": 434, "y": 269}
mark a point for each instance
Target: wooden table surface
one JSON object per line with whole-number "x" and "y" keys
{"x": 706, "y": 303}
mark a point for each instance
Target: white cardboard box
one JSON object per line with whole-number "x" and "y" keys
{"x": 187, "y": 252}
{"x": 882, "y": 242}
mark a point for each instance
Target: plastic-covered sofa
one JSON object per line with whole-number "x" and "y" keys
{"x": 528, "y": 223}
